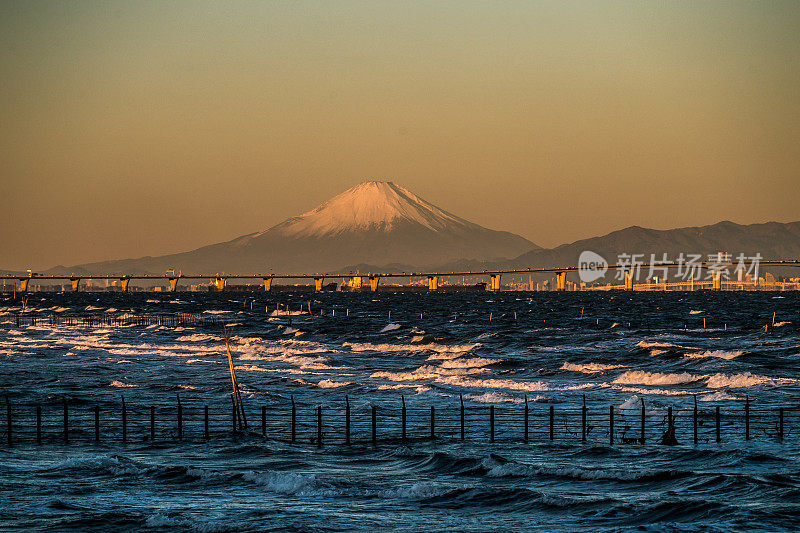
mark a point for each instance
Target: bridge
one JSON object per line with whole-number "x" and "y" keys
{"x": 629, "y": 270}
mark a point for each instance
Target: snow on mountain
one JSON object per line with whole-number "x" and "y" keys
{"x": 369, "y": 205}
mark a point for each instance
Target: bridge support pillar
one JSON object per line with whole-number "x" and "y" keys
{"x": 318, "y": 283}
{"x": 373, "y": 283}
{"x": 355, "y": 283}
{"x": 629, "y": 280}
{"x": 561, "y": 281}
{"x": 23, "y": 284}
{"x": 716, "y": 280}
{"x": 173, "y": 284}
{"x": 75, "y": 283}
{"x": 267, "y": 284}
{"x": 125, "y": 282}
{"x": 220, "y": 283}
{"x": 495, "y": 282}
{"x": 433, "y": 283}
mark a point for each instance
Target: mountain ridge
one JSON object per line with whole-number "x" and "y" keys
{"x": 373, "y": 222}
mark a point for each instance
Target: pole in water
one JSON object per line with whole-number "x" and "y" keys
{"x": 583, "y": 420}
{"x": 66, "y": 421}
{"x": 346, "y": 420}
{"x": 233, "y": 413}
{"x": 641, "y": 437}
{"x": 525, "y": 437}
{"x": 294, "y": 422}
{"x": 237, "y": 397}
{"x": 403, "y": 418}
{"x": 374, "y": 425}
{"x": 461, "y": 397}
{"x": 319, "y": 426}
{"x": 747, "y": 418}
{"x": 610, "y": 425}
{"x": 124, "y": 421}
{"x": 180, "y": 418}
{"x": 8, "y": 421}
{"x": 491, "y": 423}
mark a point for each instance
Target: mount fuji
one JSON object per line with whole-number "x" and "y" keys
{"x": 374, "y": 223}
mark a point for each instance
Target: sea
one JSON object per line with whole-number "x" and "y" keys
{"x": 612, "y": 411}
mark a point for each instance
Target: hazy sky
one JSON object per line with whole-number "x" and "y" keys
{"x": 138, "y": 128}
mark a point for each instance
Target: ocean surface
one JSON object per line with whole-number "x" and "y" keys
{"x": 620, "y": 353}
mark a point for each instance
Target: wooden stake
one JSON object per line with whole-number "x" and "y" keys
{"x": 491, "y": 423}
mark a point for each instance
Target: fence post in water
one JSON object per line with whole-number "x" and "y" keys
{"x": 403, "y": 419}
{"x": 233, "y": 413}
{"x": 583, "y": 420}
{"x": 610, "y": 425}
{"x": 319, "y": 426}
{"x": 462, "y": 416}
{"x": 346, "y": 420}
{"x": 374, "y": 425}
{"x": 152, "y": 423}
{"x": 694, "y": 420}
{"x": 180, "y": 418}
{"x": 552, "y": 421}
{"x": 641, "y": 438}
{"x": 66, "y": 421}
{"x": 205, "y": 422}
{"x": 263, "y": 420}
{"x": 124, "y": 421}
{"x": 527, "y": 414}
{"x": 294, "y": 421}
{"x": 717, "y": 420}
{"x": 747, "y": 418}
{"x": 97, "y": 423}
{"x": 8, "y": 421}
{"x": 780, "y": 424}
{"x": 38, "y": 424}
{"x": 491, "y": 423}
{"x": 433, "y": 431}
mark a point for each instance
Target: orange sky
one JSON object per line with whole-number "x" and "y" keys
{"x": 136, "y": 129}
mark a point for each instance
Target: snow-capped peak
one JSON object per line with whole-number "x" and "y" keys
{"x": 369, "y": 205}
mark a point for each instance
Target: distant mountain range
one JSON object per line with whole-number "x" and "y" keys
{"x": 773, "y": 240}
{"x": 380, "y": 226}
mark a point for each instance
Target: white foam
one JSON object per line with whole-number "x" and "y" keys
{"x": 746, "y": 380}
{"x": 471, "y": 362}
{"x": 650, "y": 344}
{"x": 631, "y": 403}
{"x": 589, "y": 368}
{"x": 329, "y": 384}
{"x": 493, "y": 397}
{"x": 369, "y": 347}
{"x": 121, "y": 385}
{"x": 639, "y": 377}
{"x": 720, "y": 354}
{"x": 718, "y": 396}
{"x": 391, "y": 327}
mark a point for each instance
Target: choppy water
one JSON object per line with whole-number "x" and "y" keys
{"x": 625, "y": 348}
